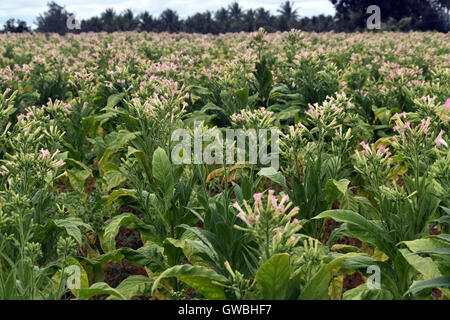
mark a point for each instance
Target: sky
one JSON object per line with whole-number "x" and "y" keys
{"x": 28, "y": 10}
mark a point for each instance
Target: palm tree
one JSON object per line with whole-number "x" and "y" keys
{"x": 127, "y": 21}
{"x": 222, "y": 20}
{"x": 263, "y": 19}
{"x": 288, "y": 16}
{"x": 170, "y": 21}
{"x": 146, "y": 21}
{"x": 236, "y": 13}
{"x": 109, "y": 20}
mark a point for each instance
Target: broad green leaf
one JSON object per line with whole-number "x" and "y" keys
{"x": 162, "y": 170}
{"x": 242, "y": 98}
{"x": 363, "y": 229}
{"x": 336, "y": 287}
{"x": 133, "y": 286}
{"x": 72, "y": 226}
{"x": 140, "y": 155}
{"x": 120, "y": 193}
{"x": 112, "y": 228}
{"x": 333, "y": 188}
{"x": 205, "y": 281}
{"x": 425, "y": 244}
{"x": 273, "y": 175}
{"x": 317, "y": 287}
{"x": 440, "y": 282}
{"x": 114, "y": 99}
{"x": 362, "y": 292}
{"x": 99, "y": 288}
{"x": 426, "y": 266}
{"x": 273, "y": 277}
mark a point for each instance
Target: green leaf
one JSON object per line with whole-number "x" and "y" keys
{"x": 242, "y": 98}
{"x": 363, "y": 229}
{"x": 317, "y": 287}
{"x": 333, "y": 188}
{"x": 426, "y": 266}
{"x": 205, "y": 281}
{"x": 273, "y": 175}
{"x": 273, "y": 277}
{"x": 362, "y": 292}
{"x": 99, "y": 288}
{"x": 133, "y": 286}
{"x": 114, "y": 99}
{"x": 162, "y": 170}
{"x": 140, "y": 155}
{"x": 425, "y": 244}
{"x": 440, "y": 282}
{"x": 120, "y": 193}
{"x": 108, "y": 242}
{"x": 72, "y": 226}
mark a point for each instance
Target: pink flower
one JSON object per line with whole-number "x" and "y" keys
{"x": 257, "y": 218}
{"x": 439, "y": 141}
{"x": 44, "y": 153}
{"x": 59, "y": 163}
{"x": 447, "y": 104}
{"x": 250, "y": 218}
{"x": 240, "y": 215}
{"x": 257, "y": 197}
{"x": 364, "y": 152}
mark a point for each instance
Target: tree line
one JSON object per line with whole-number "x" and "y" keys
{"x": 351, "y": 15}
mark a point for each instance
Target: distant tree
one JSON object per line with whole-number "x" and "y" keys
{"x": 146, "y": 22}
{"x": 54, "y": 19}
{"x": 170, "y": 21}
{"x": 288, "y": 16}
{"x": 11, "y": 26}
{"x": 351, "y": 15}
{"x": 263, "y": 19}
{"x": 222, "y": 19}
{"x": 249, "y": 21}
{"x": 126, "y": 21}
{"x": 235, "y": 13}
{"x": 424, "y": 14}
{"x": 109, "y": 21}
{"x": 201, "y": 23}
{"x": 93, "y": 24}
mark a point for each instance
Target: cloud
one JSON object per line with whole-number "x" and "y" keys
{"x": 22, "y": 9}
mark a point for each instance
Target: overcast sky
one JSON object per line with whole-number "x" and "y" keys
{"x": 28, "y": 10}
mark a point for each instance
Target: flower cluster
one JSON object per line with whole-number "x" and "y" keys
{"x": 253, "y": 119}
{"x": 272, "y": 221}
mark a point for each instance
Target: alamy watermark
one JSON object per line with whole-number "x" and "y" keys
{"x": 374, "y": 21}
{"x": 73, "y": 23}
{"x": 374, "y": 281}
{"x": 231, "y": 150}
{"x": 73, "y": 281}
